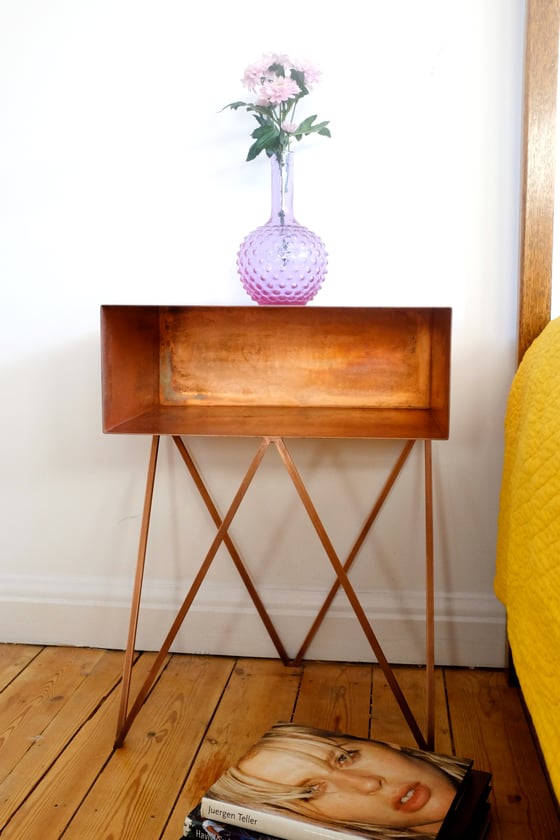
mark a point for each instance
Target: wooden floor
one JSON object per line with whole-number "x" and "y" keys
{"x": 61, "y": 777}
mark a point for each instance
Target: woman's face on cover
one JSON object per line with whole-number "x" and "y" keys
{"x": 359, "y": 781}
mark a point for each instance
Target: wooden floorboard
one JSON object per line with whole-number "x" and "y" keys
{"x": 60, "y": 776}
{"x": 489, "y": 725}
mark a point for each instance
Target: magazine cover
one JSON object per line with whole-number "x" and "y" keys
{"x": 469, "y": 821}
{"x": 302, "y": 783}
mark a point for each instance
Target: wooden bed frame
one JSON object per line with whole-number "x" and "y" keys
{"x": 537, "y": 189}
{"x": 539, "y": 153}
{"x": 538, "y": 181}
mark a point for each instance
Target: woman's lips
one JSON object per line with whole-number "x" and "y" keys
{"x": 412, "y": 797}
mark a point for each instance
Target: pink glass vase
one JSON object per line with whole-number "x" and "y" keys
{"x": 282, "y": 262}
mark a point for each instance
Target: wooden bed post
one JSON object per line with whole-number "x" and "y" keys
{"x": 539, "y": 154}
{"x": 538, "y": 181}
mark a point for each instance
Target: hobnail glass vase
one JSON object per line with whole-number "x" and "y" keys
{"x": 282, "y": 262}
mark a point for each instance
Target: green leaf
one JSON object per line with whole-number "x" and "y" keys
{"x": 234, "y": 106}
{"x": 265, "y": 110}
{"x": 266, "y": 137}
{"x": 306, "y": 126}
{"x": 259, "y": 147}
{"x": 254, "y": 151}
{"x": 265, "y": 133}
{"x": 321, "y": 128}
{"x": 299, "y": 78}
{"x": 278, "y": 69}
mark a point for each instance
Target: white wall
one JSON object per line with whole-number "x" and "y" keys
{"x": 121, "y": 181}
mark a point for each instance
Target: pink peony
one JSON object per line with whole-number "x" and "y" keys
{"x": 311, "y": 74}
{"x": 276, "y": 90}
{"x": 256, "y": 74}
{"x": 289, "y": 127}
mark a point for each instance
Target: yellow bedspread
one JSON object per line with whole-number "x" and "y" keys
{"x": 528, "y": 552}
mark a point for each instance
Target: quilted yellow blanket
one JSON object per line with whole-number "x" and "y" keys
{"x": 528, "y": 552}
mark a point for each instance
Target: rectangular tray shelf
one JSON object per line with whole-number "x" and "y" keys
{"x": 339, "y": 372}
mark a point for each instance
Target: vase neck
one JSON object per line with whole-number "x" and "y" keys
{"x": 282, "y": 189}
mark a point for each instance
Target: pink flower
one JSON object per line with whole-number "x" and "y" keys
{"x": 256, "y": 74}
{"x": 276, "y": 96}
{"x": 311, "y": 73}
{"x": 289, "y": 127}
{"x": 280, "y": 58}
{"x": 279, "y": 89}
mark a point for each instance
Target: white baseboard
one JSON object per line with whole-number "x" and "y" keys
{"x": 93, "y": 612}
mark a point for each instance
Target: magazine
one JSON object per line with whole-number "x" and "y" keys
{"x": 470, "y": 820}
{"x": 303, "y": 783}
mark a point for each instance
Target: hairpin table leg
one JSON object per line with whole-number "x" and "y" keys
{"x": 137, "y": 592}
{"x": 430, "y": 641}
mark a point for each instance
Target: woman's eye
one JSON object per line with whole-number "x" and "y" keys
{"x": 313, "y": 789}
{"x": 347, "y": 757}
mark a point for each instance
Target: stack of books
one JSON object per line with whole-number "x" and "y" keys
{"x": 303, "y": 783}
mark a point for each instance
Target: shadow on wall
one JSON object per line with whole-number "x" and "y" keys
{"x": 57, "y": 464}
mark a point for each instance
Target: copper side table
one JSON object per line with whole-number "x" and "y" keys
{"x": 275, "y": 373}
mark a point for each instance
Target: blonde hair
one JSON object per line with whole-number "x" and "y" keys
{"x": 240, "y": 788}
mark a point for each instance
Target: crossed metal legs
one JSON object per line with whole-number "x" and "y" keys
{"x": 126, "y": 715}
